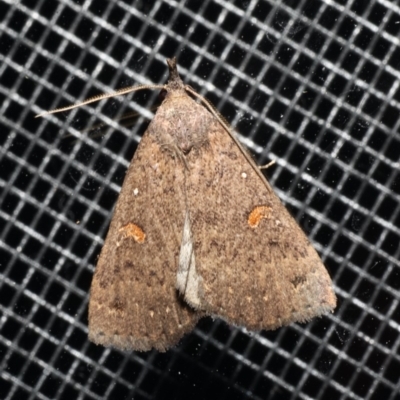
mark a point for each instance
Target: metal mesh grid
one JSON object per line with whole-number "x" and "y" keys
{"x": 311, "y": 84}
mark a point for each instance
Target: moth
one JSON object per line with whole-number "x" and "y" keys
{"x": 198, "y": 231}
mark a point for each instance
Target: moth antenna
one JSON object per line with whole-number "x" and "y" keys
{"x": 99, "y": 97}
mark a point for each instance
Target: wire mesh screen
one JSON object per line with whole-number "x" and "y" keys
{"x": 313, "y": 85}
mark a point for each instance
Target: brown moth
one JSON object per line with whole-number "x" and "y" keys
{"x": 197, "y": 230}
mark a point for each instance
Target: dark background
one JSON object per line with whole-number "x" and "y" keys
{"x": 313, "y": 85}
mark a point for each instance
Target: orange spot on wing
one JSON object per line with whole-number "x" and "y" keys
{"x": 258, "y": 214}
{"x": 133, "y": 231}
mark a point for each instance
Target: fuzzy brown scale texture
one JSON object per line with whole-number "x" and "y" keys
{"x": 198, "y": 231}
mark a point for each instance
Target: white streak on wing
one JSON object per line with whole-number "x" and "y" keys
{"x": 187, "y": 280}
